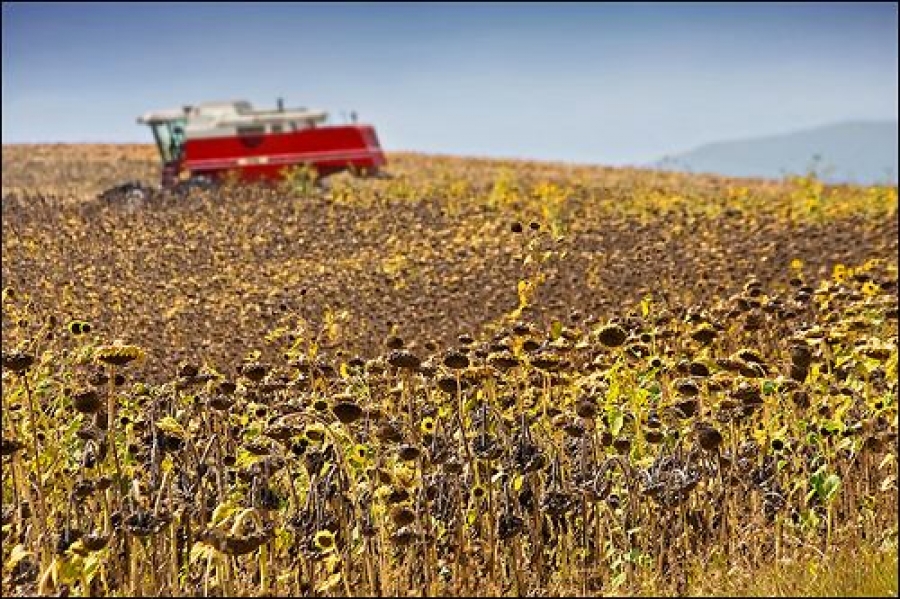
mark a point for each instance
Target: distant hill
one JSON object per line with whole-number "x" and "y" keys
{"x": 852, "y": 152}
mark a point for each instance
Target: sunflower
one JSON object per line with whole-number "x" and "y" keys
{"x": 612, "y": 335}
{"x": 118, "y": 354}
{"x": 427, "y": 425}
{"x": 359, "y": 454}
{"x": 455, "y": 360}
{"x": 315, "y": 433}
{"x": 347, "y": 411}
{"x": 86, "y": 401}
{"x": 324, "y": 540}
{"x": 17, "y": 361}
{"x": 705, "y": 333}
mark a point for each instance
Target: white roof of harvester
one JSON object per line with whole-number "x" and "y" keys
{"x": 234, "y": 113}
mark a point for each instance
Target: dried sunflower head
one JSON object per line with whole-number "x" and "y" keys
{"x": 705, "y": 333}
{"x": 11, "y": 446}
{"x": 502, "y": 360}
{"x": 612, "y": 335}
{"x": 708, "y": 437}
{"x": 86, "y": 401}
{"x": 394, "y": 342}
{"x": 17, "y": 361}
{"x": 687, "y": 387}
{"x": 347, "y": 411}
{"x": 402, "y": 515}
{"x": 255, "y": 371}
{"x": 409, "y": 453}
{"x": 456, "y": 360}
{"x": 118, "y": 354}
{"x": 400, "y": 358}
{"x": 586, "y": 408}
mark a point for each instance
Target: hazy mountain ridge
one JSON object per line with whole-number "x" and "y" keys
{"x": 862, "y": 152}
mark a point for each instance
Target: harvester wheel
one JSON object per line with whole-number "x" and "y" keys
{"x": 198, "y": 183}
{"x": 132, "y": 192}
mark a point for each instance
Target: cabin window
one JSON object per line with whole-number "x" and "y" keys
{"x": 276, "y": 128}
{"x": 169, "y": 137}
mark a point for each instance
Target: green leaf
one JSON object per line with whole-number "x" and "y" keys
{"x": 556, "y": 330}
{"x": 245, "y": 459}
{"x": 70, "y": 570}
{"x": 170, "y": 426}
{"x": 17, "y": 554}
{"x": 223, "y": 511}
{"x": 91, "y": 566}
{"x": 830, "y": 486}
{"x": 200, "y": 551}
{"x": 616, "y": 420}
{"x": 832, "y": 426}
{"x": 329, "y": 583}
{"x": 645, "y": 305}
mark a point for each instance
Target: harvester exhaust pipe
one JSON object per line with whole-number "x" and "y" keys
{"x": 280, "y": 105}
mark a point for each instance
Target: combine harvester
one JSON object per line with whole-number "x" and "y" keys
{"x": 200, "y": 145}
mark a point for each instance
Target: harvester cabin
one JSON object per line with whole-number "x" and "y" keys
{"x": 171, "y": 128}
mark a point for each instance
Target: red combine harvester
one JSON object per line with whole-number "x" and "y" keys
{"x": 199, "y": 145}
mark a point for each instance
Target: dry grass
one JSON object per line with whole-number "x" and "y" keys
{"x": 856, "y": 571}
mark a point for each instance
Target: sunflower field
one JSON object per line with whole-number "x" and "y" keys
{"x": 473, "y": 378}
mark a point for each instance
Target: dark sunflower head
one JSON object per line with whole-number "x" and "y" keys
{"x": 86, "y": 401}
{"x": 394, "y": 342}
{"x": 622, "y": 444}
{"x": 456, "y": 360}
{"x": 708, "y": 436}
{"x": 11, "y": 446}
{"x": 653, "y": 435}
{"x": 409, "y": 453}
{"x": 586, "y": 408}
{"x": 402, "y": 515}
{"x": 687, "y": 387}
{"x": 17, "y": 361}
{"x": 478, "y": 492}
{"x": 118, "y": 354}
{"x": 705, "y": 333}
{"x": 612, "y": 335}
{"x": 347, "y": 411}
{"x": 502, "y": 360}
{"x": 255, "y": 371}
{"x": 399, "y": 358}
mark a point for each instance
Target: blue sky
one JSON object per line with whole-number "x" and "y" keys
{"x": 595, "y": 83}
